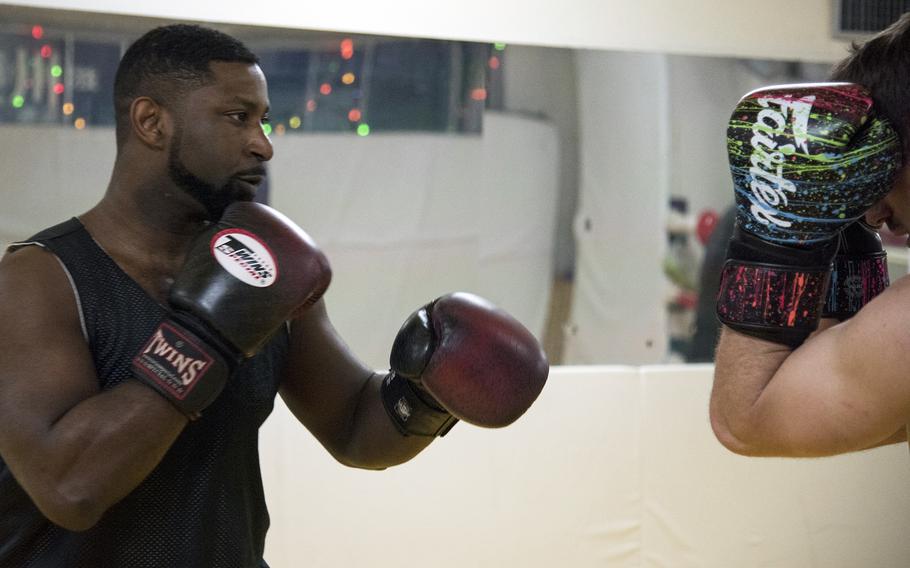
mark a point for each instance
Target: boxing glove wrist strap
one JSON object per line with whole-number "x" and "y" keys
{"x": 410, "y": 413}
{"x": 856, "y": 279}
{"x": 184, "y": 368}
{"x": 773, "y": 302}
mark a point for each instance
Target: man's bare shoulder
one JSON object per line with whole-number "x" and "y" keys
{"x": 34, "y": 288}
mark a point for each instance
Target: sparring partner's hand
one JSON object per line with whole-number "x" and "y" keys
{"x": 461, "y": 357}
{"x": 860, "y": 271}
{"x": 243, "y": 278}
{"x": 807, "y": 160}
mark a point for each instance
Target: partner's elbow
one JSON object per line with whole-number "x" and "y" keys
{"x": 734, "y": 441}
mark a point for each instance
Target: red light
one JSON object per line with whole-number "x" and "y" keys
{"x": 347, "y": 48}
{"x": 325, "y": 89}
{"x": 479, "y": 94}
{"x": 37, "y": 32}
{"x": 311, "y": 105}
{"x": 354, "y": 115}
{"x": 59, "y": 88}
{"x": 46, "y": 51}
{"x": 494, "y": 62}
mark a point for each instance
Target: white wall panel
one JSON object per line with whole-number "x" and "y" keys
{"x": 612, "y": 466}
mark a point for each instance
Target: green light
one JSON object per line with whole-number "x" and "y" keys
{"x": 56, "y": 71}
{"x": 499, "y": 46}
{"x": 363, "y": 130}
{"x": 267, "y": 128}
{"x": 18, "y": 101}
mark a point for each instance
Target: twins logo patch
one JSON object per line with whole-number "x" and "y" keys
{"x": 245, "y": 257}
{"x": 173, "y": 361}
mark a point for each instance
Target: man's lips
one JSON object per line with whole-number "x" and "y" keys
{"x": 252, "y": 179}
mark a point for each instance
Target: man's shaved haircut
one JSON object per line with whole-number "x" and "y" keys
{"x": 168, "y": 62}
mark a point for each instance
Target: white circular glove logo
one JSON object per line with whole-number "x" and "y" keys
{"x": 245, "y": 257}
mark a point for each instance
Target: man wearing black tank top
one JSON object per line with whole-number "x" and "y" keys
{"x": 142, "y": 343}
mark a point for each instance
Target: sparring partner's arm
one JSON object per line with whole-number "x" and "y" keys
{"x": 75, "y": 450}
{"x": 456, "y": 358}
{"x": 860, "y": 274}
{"x": 778, "y": 391}
{"x": 846, "y": 389}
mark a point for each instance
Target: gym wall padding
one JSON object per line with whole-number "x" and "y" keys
{"x": 613, "y": 466}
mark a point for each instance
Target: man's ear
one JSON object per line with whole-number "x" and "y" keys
{"x": 150, "y": 122}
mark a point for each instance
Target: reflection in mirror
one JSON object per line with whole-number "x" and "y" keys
{"x": 393, "y": 153}
{"x": 587, "y": 192}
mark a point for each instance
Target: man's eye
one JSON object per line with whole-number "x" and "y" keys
{"x": 238, "y": 116}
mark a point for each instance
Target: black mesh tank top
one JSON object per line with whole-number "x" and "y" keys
{"x": 203, "y": 505}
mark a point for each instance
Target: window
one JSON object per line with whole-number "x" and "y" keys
{"x": 60, "y": 70}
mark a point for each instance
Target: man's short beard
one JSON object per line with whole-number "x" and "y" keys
{"x": 212, "y": 198}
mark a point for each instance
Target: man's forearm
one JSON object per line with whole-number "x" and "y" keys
{"x": 743, "y": 368}
{"x": 97, "y": 453}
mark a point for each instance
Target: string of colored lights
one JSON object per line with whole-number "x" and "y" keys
{"x": 47, "y": 73}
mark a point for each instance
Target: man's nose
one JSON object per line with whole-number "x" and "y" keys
{"x": 878, "y": 214}
{"x": 261, "y": 146}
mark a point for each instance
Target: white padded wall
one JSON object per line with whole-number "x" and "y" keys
{"x": 403, "y": 217}
{"x": 706, "y": 507}
{"x": 407, "y": 217}
{"x": 546, "y": 491}
{"x": 50, "y": 174}
{"x": 618, "y": 312}
{"x": 612, "y": 466}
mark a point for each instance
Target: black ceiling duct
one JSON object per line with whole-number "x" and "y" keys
{"x": 855, "y": 18}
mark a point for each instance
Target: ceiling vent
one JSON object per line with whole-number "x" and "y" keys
{"x": 861, "y": 18}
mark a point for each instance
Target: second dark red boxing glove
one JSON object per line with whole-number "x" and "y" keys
{"x": 462, "y": 357}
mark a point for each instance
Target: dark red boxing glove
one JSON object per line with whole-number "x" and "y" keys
{"x": 243, "y": 278}
{"x": 461, "y": 357}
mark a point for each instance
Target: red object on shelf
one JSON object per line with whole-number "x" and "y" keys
{"x": 687, "y": 299}
{"x": 705, "y": 225}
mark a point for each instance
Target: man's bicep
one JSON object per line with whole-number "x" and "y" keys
{"x": 847, "y": 388}
{"x": 45, "y": 365}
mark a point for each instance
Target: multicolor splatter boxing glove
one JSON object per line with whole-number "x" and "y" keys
{"x": 860, "y": 271}
{"x": 807, "y": 161}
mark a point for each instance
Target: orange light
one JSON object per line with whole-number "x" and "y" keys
{"x": 59, "y": 88}
{"x": 494, "y": 62}
{"x": 68, "y": 108}
{"x": 79, "y": 123}
{"x": 479, "y": 94}
{"x": 354, "y": 115}
{"x": 46, "y": 51}
{"x": 348, "y": 78}
{"x": 325, "y": 89}
{"x": 279, "y": 130}
{"x": 37, "y": 32}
